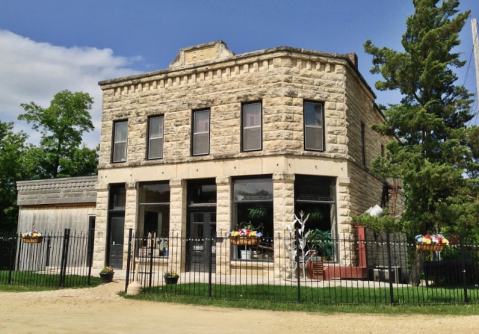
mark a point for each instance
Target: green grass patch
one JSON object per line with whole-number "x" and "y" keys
{"x": 458, "y": 310}
{"x": 407, "y": 300}
{"x": 21, "y": 281}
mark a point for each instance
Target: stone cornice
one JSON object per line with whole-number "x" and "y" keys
{"x": 228, "y": 61}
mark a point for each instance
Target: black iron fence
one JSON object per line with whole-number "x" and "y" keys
{"x": 376, "y": 269}
{"x": 52, "y": 260}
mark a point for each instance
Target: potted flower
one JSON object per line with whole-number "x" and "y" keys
{"x": 435, "y": 242}
{"x": 106, "y": 274}
{"x": 171, "y": 277}
{"x": 33, "y": 237}
{"x": 245, "y": 235}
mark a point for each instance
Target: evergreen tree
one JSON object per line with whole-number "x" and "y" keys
{"x": 435, "y": 150}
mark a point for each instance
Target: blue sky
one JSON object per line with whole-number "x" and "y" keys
{"x": 50, "y": 45}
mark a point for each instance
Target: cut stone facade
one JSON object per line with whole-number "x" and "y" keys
{"x": 209, "y": 76}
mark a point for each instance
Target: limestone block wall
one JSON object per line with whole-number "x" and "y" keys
{"x": 223, "y": 224}
{"x": 280, "y": 80}
{"x": 178, "y": 223}
{"x": 365, "y": 189}
{"x": 130, "y": 215}
{"x": 361, "y": 110}
{"x": 283, "y": 204}
{"x": 101, "y": 226}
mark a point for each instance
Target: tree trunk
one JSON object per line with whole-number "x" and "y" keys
{"x": 417, "y": 268}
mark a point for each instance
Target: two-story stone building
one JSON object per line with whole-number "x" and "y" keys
{"x": 218, "y": 139}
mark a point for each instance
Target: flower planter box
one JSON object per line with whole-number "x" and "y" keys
{"x": 106, "y": 277}
{"x": 171, "y": 280}
{"x": 430, "y": 247}
{"x": 32, "y": 240}
{"x": 244, "y": 241}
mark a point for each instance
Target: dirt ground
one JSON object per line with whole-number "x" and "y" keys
{"x": 101, "y": 310}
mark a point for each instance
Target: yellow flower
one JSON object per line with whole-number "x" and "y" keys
{"x": 445, "y": 241}
{"x": 234, "y": 234}
{"x": 252, "y": 234}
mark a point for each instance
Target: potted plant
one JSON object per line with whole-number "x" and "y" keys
{"x": 106, "y": 274}
{"x": 33, "y": 237}
{"x": 431, "y": 242}
{"x": 321, "y": 242}
{"x": 171, "y": 277}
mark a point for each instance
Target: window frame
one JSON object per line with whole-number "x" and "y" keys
{"x": 323, "y": 148}
{"x": 142, "y": 205}
{"x": 193, "y": 131}
{"x": 243, "y": 127}
{"x": 114, "y": 142}
{"x": 332, "y": 201}
{"x": 363, "y": 143}
{"x": 149, "y": 138}
{"x": 236, "y": 202}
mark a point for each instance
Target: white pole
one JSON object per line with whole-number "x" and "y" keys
{"x": 476, "y": 52}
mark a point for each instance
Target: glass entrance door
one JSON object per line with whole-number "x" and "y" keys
{"x": 117, "y": 225}
{"x": 202, "y": 242}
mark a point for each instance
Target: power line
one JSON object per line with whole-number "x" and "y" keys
{"x": 468, "y": 65}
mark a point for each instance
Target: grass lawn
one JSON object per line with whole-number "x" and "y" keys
{"x": 326, "y": 300}
{"x": 22, "y": 281}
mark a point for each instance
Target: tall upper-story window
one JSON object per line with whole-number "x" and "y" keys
{"x": 313, "y": 126}
{"x": 155, "y": 137}
{"x": 120, "y": 139}
{"x": 251, "y": 118}
{"x": 363, "y": 143}
{"x": 201, "y": 132}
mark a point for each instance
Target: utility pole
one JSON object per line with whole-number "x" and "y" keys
{"x": 476, "y": 52}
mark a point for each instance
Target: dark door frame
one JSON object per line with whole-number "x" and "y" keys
{"x": 110, "y": 241}
{"x": 206, "y": 241}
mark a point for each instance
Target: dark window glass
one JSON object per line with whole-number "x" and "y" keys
{"x": 313, "y": 126}
{"x": 155, "y": 137}
{"x": 204, "y": 192}
{"x": 201, "y": 132}
{"x": 117, "y": 197}
{"x": 253, "y": 206}
{"x": 155, "y": 193}
{"x": 120, "y": 139}
{"x": 314, "y": 188}
{"x": 154, "y": 219}
{"x": 252, "y": 127}
{"x": 315, "y": 197}
{"x": 253, "y": 190}
{"x": 363, "y": 144}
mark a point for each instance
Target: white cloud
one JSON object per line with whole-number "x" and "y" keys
{"x": 32, "y": 71}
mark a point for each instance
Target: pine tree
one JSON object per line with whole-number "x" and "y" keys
{"x": 436, "y": 153}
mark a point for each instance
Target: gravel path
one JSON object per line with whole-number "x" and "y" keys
{"x": 101, "y": 310}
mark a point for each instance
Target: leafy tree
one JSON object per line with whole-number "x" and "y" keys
{"x": 435, "y": 148}
{"x": 13, "y": 167}
{"x": 62, "y": 126}
{"x": 83, "y": 163}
